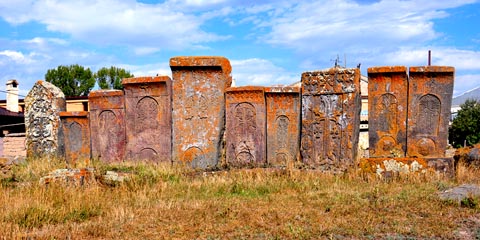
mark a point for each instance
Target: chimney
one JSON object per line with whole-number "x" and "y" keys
{"x": 12, "y": 95}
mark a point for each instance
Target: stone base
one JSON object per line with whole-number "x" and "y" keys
{"x": 387, "y": 167}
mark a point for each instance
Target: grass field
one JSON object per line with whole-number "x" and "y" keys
{"x": 171, "y": 202}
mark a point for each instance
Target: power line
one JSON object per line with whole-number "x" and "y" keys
{"x": 12, "y": 93}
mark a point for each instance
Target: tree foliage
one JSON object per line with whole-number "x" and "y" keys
{"x": 111, "y": 78}
{"x": 466, "y": 126}
{"x": 73, "y": 80}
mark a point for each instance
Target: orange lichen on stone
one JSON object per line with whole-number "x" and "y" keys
{"x": 429, "y": 101}
{"x": 391, "y": 166}
{"x": 283, "y": 125}
{"x": 387, "y": 111}
{"x": 148, "y": 118}
{"x": 76, "y": 133}
{"x": 198, "y": 117}
{"x": 330, "y": 118}
{"x": 245, "y": 138}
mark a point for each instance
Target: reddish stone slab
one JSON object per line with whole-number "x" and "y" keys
{"x": 429, "y": 102}
{"x": 198, "y": 101}
{"x": 330, "y": 118}
{"x": 107, "y": 125}
{"x": 43, "y": 104}
{"x": 76, "y": 133}
{"x": 148, "y": 118}
{"x": 246, "y": 119}
{"x": 387, "y": 111}
{"x": 283, "y": 125}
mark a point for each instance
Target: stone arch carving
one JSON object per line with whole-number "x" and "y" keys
{"x": 75, "y": 136}
{"x": 246, "y": 119}
{"x": 282, "y": 122}
{"x": 429, "y": 109}
{"x": 388, "y": 113}
{"x": 146, "y": 114}
{"x": 195, "y": 156}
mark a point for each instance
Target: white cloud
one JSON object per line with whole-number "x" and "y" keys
{"x": 15, "y": 56}
{"x": 256, "y": 71}
{"x": 465, "y": 83}
{"x": 342, "y": 25}
{"x": 463, "y": 60}
{"x": 111, "y": 22}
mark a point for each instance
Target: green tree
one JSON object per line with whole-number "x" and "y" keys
{"x": 466, "y": 126}
{"x": 73, "y": 80}
{"x": 111, "y": 78}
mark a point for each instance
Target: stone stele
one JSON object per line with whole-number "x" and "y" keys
{"x": 107, "y": 125}
{"x": 198, "y": 116}
{"x": 148, "y": 118}
{"x": 330, "y": 118}
{"x": 43, "y": 104}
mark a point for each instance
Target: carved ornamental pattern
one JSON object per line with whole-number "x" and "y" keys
{"x": 330, "y": 122}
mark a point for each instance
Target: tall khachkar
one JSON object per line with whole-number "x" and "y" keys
{"x": 107, "y": 125}
{"x": 76, "y": 133}
{"x": 330, "y": 118}
{"x": 408, "y": 119}
{"x": 283, "y": 125}
{"x": 387, "y": 111}
{"x": 44, "y": 135}
{"x": 198, "y": 117}
{"x": 148, "y": 117}
{"x": 246, "y": 122}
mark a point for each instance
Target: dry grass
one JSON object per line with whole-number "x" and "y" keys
{"x": 165, "y": 202}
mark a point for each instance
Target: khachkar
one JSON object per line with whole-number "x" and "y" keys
{"x": 429, "y": 102}
{"x": 408, "y": 119}
{"x": 387, "y": 111}
{"x": 330, "y": 118}
{"x": 245, "y": 137}
{"x": 43, "y": 105}
{"x": 198, "y": 116}
{"x": 107, "y": 125}
{"x": 283, "y": 125}
{"x": 148, "y": 118}
{"x": 76, "y": 132}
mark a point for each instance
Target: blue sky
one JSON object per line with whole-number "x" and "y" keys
{"x": 267, "y": 42}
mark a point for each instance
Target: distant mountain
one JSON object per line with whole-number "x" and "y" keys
{"x": 472, "y": 94}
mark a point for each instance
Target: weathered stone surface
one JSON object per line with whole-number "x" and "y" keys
{"x": 283, "y": 125}
{"x": 148, "y": 118}
{"x": 70, "y": 177}
{"x": 43, "y": 104}
{"x": 107, "y": 125}
{"x": 330, "y": 118}
{"x": 429, "y": 102}
{"x": 387, "y": 167}
{"x": 246, "y": 119}
{"x": 76, "y": 132}
{"x": 459, "y": 193}
{"x": 198, "y": 116}
{"x": 387, "y": 111}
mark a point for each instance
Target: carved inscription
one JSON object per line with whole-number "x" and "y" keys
{"x": 75, "y": 136}
{"x": 42, "y": 121}
{"x": 245, "y": 115}
{"x": 330, "y": 119}
{"x": 388, "y": 113}
{"x": 428, "y": 115}
{"x": 196, "y": 107}
{"x": 146, "y": 115}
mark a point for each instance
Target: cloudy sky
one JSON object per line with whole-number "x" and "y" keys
{"x": 267, "y": 42}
